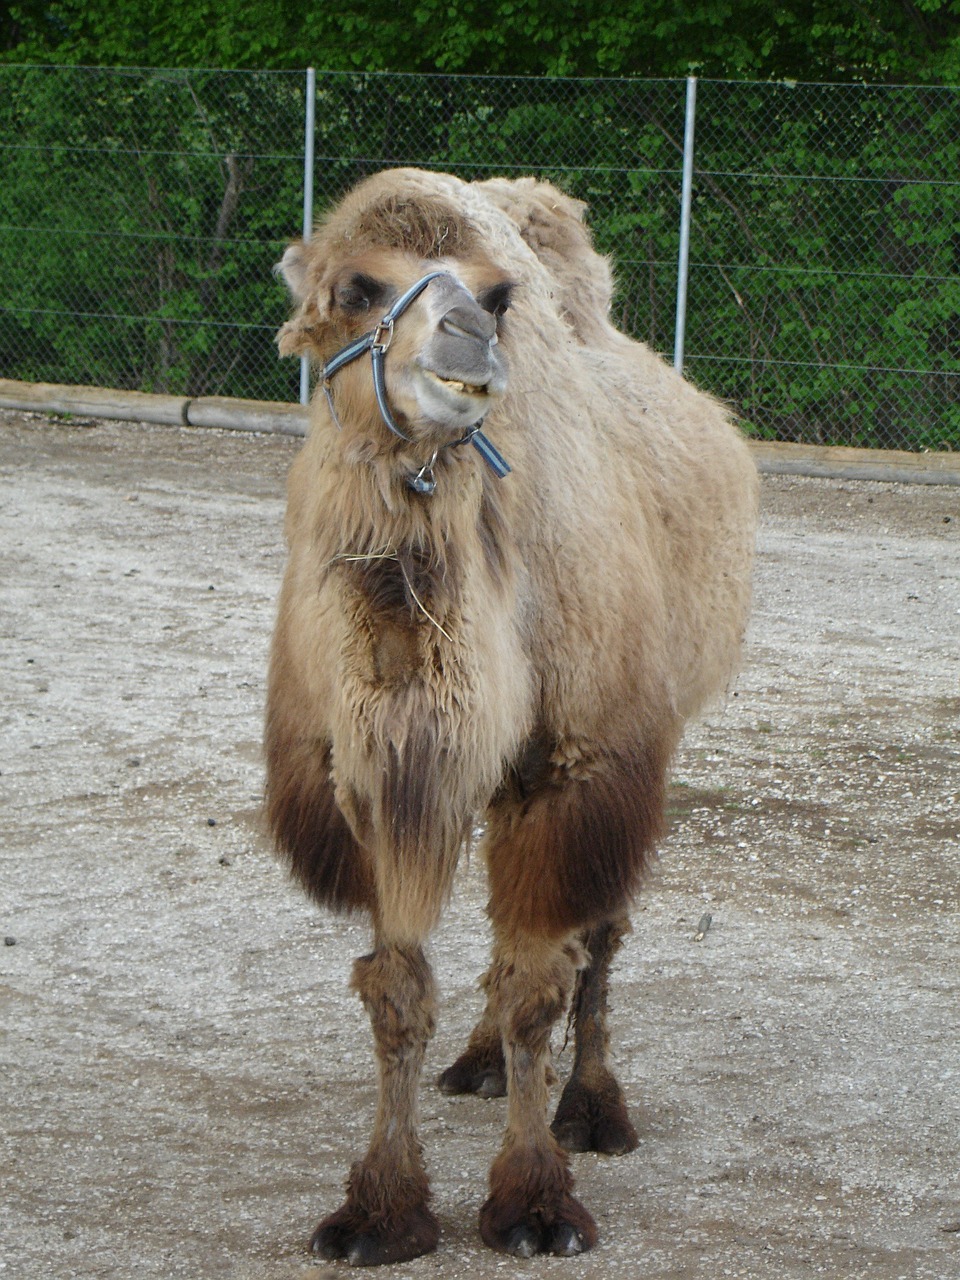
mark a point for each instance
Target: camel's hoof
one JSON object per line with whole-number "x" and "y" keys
{"x": 479, "y": 1073}
{"x": 563, "y": 1241}
{"x": 532, "y": 1236}
{"x": 566, "y": 1241}
{"x": 594, "y": 1120}
{"x": 610, "y": 1137}
{"x": 565, "y": 1232}
{"x": 350, "y": 1235}
{"x": 522, "y": 1242}
{"x": 493, "y": 1084}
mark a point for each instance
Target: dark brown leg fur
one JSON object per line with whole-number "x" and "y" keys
{"x": 592, "y": 1115}
{"x": 531, "y": 1208}
{"x": 386, "y": 1216}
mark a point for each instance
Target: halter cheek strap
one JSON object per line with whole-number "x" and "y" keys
{"x": 377, "y": 342}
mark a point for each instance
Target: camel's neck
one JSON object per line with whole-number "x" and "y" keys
{"x": 405, "y": 586}
{"x": 404, "y": 550}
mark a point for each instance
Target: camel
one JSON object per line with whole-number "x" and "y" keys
{"x": 519, "y": 560}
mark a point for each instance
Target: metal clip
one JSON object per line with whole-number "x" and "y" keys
{"x": 424, "y": 481}
{"x": 383, "y": 334}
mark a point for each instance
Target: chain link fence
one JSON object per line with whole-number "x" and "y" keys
{"x": 825, "y": 299}
{"x": 141, "y": 212}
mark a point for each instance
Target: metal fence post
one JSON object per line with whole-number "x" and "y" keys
{"x": 308, "y": 142}
{"x": 686, "y": 197}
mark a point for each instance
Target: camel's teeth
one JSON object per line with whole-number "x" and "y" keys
{"x": 460, "y": 387}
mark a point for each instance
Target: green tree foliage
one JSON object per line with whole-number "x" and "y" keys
{"x": 884, "y": 41}
{"x": 826, "y": 299}
{"x": 140, "y": 216}
{"x": 825, "y": 286}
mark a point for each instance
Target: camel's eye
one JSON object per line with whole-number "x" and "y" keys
{"x": 359, "y": 293}
{"x": 497, "y": 298}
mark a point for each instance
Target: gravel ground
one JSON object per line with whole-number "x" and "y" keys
{"x": 185, "y": 1077}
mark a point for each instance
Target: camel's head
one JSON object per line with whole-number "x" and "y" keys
{"x": 442, "y": 362}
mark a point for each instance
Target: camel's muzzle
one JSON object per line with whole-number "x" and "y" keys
{"x": 460, "y": 322}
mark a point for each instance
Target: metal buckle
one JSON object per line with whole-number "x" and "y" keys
{"x": 424, "y": 481}
{"x": 468, "y": 436}
{"x": 383, "y": 334}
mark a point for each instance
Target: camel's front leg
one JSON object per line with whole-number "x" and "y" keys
{"x": 531, "y": 1208}
{"x": 386, "y": 1216}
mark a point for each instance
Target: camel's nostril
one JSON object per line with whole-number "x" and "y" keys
{"x": 472, "y": 323}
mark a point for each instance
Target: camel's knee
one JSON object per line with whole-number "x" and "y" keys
{"x": 530, "y": 987}
{"x": 398, "y": 991}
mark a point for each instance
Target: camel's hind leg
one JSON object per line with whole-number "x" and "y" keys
{"x": 592, "y": 1115}
{"x": 386, "y": 1217}
{"x": 531, "y": 1208}
{"x": 480, "y": 1069}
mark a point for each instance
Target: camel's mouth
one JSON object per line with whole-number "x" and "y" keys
{"x": 454, "y": 403}
{"x": 459, "y": 387}
{"x": 455, "y": 389}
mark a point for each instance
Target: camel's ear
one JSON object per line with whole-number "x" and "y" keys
{"x": 296, "y": 336}
{"x": 293, "y": 267}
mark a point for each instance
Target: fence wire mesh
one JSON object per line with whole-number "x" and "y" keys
{"x": 141, "y": 212}
{"x": 825, "y": 300}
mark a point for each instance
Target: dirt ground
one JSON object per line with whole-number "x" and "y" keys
{"x": 185, "y": 1076}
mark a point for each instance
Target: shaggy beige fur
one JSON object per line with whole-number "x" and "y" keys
{"x": 523, "y": 650}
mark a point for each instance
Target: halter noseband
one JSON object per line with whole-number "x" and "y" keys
{"x": 377, "y": 342}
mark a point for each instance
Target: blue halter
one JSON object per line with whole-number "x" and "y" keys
{"x": 377, "y": 343}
